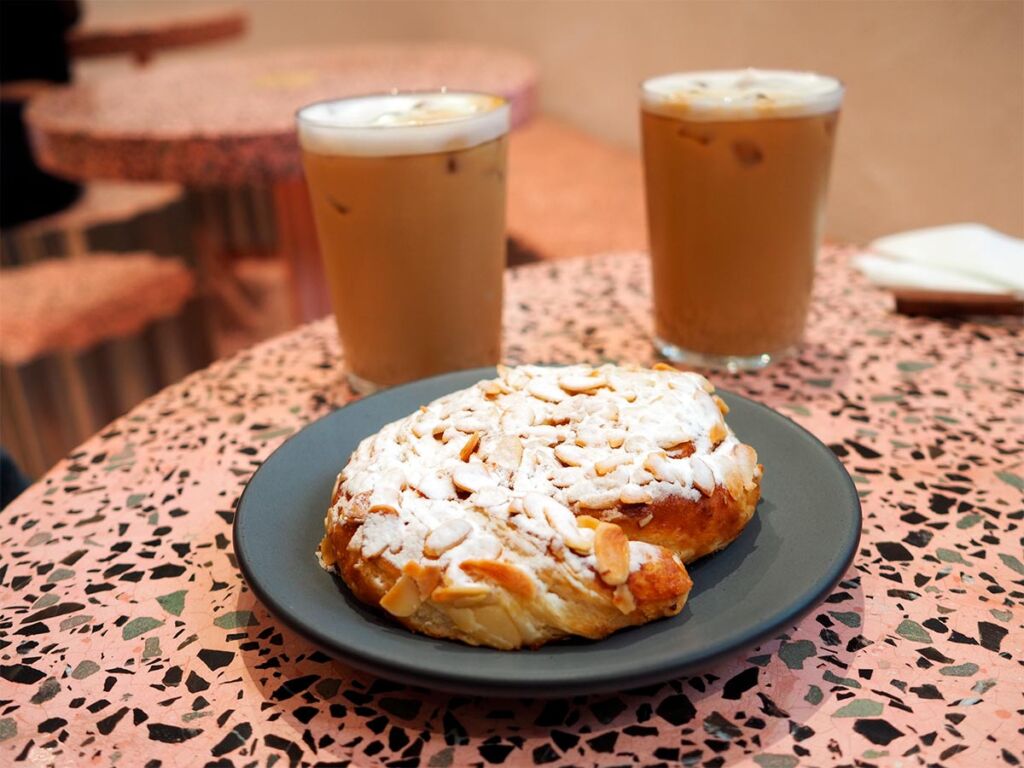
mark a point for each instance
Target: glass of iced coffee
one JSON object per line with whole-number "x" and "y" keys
{"x": 736, "y": 167}
{"x": 408, "y": 193}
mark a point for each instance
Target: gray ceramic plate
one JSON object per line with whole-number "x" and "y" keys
{"x": 786, "y": 561}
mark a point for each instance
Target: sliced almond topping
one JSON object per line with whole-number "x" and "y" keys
{"x": 544, "y": 433}
{"x": 561, "y": 519}
{"x": 629, "y": 396}
{"x": 581, "y": 541}
{"x": 403, "y": 598}
{"x": 681, "y": 450}
{"x": 373, "y": 547}
{"x": 717, "y": 433}
{"x": 515, "y": 417}
{"x": 703, "y": 477}
{"x": 462, "y": 595}
{"x": 543, "y": 389}
{"x": 675, "y": 438}
{"x": 463, "y": 618}
{"x": 492, "y": 388}
{"x": 746, "y": 458}
{"x": 586, "y": 521}
{"x": 616, "y": 438}
{"x": 472, "y": 478}
{"x": 722, "y": 407}
{"x": 505, "y": 575}
{"x": 611, "y": 550}
{"x": 508, "y": 453}
{"x": 600, "y": 500}
{"x": 427, "y": 426}
{"x": 563, "y": 477}
{"x": 657, "y": 464}
{"x": 386, "y": 500}
{"x": 447, "y": 535}
{"x": 742, "y": 474}
{"x": 663, "y": 367}
{"x": 644, "y": 521}
{"x": 469, "y": 446}
{"x": 434, "y": 487}
{"x": 327, "y": 552}
{"x": 706, "y": 385}
{"x": 632, "y": 493}
{"x": 487, "y": 547}
{"x": 467, "y": 424}
{"x": 427, "y": 577}
{"x": 623, "y": 599}
{"x": 609, "y": 463}
{"x": 582, "y": 384}
{"x": 557, "y": 549}
{"x": 499, "y": 625}
{"x": 336, "y": 491}
{"x": 490, "y": 497}
{"x": 535, "y": 505}
{"x": 570, "y": 455}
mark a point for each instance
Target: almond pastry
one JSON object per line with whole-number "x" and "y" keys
{"x": 545, "y": 503}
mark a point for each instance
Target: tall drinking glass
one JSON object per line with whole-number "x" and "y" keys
{"x": 736, "y": 166}
{"x": 408, "y": 193}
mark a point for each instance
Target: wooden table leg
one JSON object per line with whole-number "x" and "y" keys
{"x": 227, "y": 302}
{"x": 19, "y": 427}
{"x": 83, "y": 418}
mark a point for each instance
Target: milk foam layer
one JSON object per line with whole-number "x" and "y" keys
{"x": 402, "y": 123}
{"x": 741, "y": 94}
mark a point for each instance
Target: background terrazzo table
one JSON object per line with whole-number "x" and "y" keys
{"x": 127, "y": 631}
{"x": 230, "y": 121}
{"x": 143, "y": 35}
{"x": 226, "y": 124}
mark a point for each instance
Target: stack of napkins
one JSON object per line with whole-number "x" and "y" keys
{"x": 968, "y": 258}
{"x": 943, "y": 263}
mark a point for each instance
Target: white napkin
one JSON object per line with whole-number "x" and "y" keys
{"x": 959, "y": 257}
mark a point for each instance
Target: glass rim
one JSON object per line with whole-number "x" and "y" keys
{"x": 503, "y": 103}
{"x": 684, "y": 96}
{"x": 840, "y": 84}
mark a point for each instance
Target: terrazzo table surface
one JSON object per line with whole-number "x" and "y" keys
{"x": 143, "y": 34}
{"x": 129, "y": 637}
{"x": 223, "y": 122}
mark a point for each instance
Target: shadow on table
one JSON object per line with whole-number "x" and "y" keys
{"x": 747, "y": 704}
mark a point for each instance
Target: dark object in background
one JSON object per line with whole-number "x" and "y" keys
{"x": 12, "y": 482}
{"x": 32, "y": 48}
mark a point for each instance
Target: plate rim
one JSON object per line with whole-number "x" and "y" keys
{"x": 476, "y": 682}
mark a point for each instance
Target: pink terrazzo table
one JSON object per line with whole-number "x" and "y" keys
{"x": 128, "y": 635}
{"x": 226, "y": 122}
{"x": 142, "y": 35}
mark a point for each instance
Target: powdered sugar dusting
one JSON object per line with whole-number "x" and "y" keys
{"x": 551, "y": 443}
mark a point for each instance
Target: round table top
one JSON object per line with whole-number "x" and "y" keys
{"x": 129, "y": 630}
{"x": 232, "y": 121}
{"x": 144, "y": 34}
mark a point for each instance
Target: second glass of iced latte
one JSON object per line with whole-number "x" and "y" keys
{"x": 736, "y": 165}
{"x": 408, "y": 193}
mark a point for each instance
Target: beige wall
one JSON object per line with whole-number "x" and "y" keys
{"x": 933, "y": 125}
